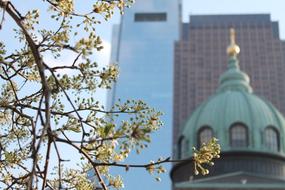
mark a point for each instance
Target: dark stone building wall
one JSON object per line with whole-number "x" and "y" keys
{"x": 233, "y": 168}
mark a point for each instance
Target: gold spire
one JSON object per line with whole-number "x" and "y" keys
{"x": 233, "y": 49}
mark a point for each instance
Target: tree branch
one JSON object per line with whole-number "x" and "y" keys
{"x": 16, "y": 16}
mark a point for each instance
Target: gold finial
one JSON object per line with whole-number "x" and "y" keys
{"x": 233, "y": 49}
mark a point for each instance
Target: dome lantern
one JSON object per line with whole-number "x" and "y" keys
{"x": 234, "y": 78}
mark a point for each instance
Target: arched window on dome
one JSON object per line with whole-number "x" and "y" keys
{"x": 204, "y": 135}
{"x": 183, "y": 145}
{"x": 238, "y": 135}
{"x": 271, "y": 138}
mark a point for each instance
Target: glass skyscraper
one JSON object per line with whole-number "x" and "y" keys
{"x": 143, "y": 46}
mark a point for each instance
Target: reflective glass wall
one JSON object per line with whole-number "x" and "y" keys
{"x": 143, "y": 45}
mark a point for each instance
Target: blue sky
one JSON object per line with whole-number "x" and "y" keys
{"x": 273, "y": 7}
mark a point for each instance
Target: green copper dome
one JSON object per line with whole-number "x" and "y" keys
{"x": 234, "y": 104}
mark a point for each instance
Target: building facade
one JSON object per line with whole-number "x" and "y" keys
{"x": 200, "y": 57}
{"x": 251, "y": 132}
{"x": 143, "y": 46}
